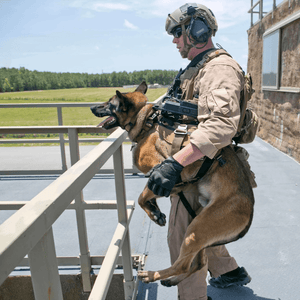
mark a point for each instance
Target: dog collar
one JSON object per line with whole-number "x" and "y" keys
{"x": 150, "y": 120}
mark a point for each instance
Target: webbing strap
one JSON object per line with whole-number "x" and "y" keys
{"x": 202, "y": 171}
{"x": 187, "y": 205}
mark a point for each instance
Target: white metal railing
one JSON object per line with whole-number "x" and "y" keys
{"x": 73, "y": 141}
{"x": 29, "y": 230}
{"x": 260, "y": 11}
{"x": 61, "y": 139}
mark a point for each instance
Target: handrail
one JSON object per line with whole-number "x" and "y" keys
{"x": 260, "y": 12}
{"x": 53, "y": 129}
{"x": 59, "y": 107}
{"x": 34, "y": 105}
{"x": 29, "y": 230}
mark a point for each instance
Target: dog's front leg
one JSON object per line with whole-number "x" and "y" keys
{"x": 147, "y": 201}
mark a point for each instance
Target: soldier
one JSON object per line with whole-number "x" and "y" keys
{"x": 214, "y": 80}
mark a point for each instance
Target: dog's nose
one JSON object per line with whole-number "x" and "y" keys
{"x": 93, "y": 109}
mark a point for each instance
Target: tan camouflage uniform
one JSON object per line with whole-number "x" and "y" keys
{"x": 216, "y": 88}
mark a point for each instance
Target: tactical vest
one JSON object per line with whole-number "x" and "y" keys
{"x": 249, "y": 121}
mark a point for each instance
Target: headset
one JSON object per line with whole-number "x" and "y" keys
{"x": 198, "y": 28}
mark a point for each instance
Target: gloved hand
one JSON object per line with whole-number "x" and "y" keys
{"x": 164, "y": 176}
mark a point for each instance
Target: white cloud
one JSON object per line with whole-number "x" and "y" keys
{"x": 88, "y": 15}
{"x": 228, "y": 13}
{"x": 98, "y": 5}
{"x": 228, "y": 39}
{"x": 110, "y": 6}
{"x": 130, "y": 25}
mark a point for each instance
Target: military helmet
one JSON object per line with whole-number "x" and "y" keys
{"x": 184, "y": 14}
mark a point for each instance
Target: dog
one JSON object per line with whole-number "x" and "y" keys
{"x": 225, "y": 191}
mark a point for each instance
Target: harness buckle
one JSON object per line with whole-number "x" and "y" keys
{"x": 181, "y": 129}
{"x": 221, "y": 160}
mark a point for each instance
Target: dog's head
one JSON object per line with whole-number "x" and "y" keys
{"x": 122, "y": 108}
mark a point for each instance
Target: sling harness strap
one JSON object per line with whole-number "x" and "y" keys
{"x": 207, "y": 163}
{"x": 187, "y": 205}
{"x": 180, "y": 133}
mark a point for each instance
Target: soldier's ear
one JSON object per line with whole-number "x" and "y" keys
{"x": 142, "y": 88}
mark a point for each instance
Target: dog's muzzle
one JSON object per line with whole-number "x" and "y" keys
{"x": 100, "y": 112}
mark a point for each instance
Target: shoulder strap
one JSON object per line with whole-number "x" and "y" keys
{"x": 245, "y": 96}
{"x": 210, "y": 56}
{"x": 193, "y": 69}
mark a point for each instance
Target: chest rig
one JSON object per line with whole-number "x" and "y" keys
{"x": 179, "y": 112}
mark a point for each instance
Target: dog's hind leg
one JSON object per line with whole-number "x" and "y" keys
{"x": 198, "y": 263}
{"x": 191, "y": 259}
{"x": 147, "y": 201}
{"x": 215, "y": 225}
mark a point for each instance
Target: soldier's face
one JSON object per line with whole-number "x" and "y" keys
{"x": 183, "y": 50}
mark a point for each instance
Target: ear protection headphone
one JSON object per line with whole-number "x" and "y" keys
{"x": 198, "y": 29}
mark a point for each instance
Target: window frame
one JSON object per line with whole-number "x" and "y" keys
{"x": 276, "y": 87}
{"x": 269, "y": 31}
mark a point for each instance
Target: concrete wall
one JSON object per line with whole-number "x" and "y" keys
{"x": 20, "y": 288}
{"x": 278, "y": 111}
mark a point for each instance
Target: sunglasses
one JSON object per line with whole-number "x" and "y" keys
{"x": 177, "y": 32}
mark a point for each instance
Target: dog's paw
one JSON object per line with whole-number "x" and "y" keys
{"x": 146, "y": 276}
{"x": 143, "y": 276}
{"x": 159, "y": 218}
{"x": 166, "y": 282}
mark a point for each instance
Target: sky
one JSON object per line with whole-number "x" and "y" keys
{"x": 95, "y": 36}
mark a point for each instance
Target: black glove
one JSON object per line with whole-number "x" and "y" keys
{"x": 164, "y": 176}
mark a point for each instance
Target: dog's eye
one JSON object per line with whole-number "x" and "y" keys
{"x": 112, "y": 107}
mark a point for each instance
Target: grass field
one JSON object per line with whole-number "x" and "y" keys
{"x": 48, "y": 116}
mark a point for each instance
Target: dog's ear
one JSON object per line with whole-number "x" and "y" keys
{"x": 123, "y": 101}
{"x": 119, "y": 94}
{"x": 142, "y": 87}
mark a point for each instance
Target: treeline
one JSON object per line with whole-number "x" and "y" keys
{"x": 12, "y": 79}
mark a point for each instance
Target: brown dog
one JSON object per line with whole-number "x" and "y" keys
{"x": 225, "y": 191}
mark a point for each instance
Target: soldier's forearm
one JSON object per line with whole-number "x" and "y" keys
{"x": 188, "y": 155}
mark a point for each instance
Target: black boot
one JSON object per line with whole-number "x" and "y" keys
{"x": 235, "y": 277}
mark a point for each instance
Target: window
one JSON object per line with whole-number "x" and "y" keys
{"x": 270, "y": 76}
{"x": 281, "y": 59}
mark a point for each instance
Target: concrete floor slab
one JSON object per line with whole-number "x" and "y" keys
{"x": 268, "y": 251}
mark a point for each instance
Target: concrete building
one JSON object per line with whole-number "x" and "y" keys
{"x": 274, "y": 63}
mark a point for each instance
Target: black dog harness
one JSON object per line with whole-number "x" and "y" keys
{"x": 207, "y": 164}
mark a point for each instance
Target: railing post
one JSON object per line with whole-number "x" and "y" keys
{"x": 122, "y": 217}
{"x": 61, "y": 141}
{"x": 251, "y": 13}
{"x": 85, "y": 259}
{"x": 135, "y": 170}
{"x": 44, "y": 269}
{"x": 261, "y": 9}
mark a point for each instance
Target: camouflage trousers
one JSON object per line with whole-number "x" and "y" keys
{"x": 219, "y": 261}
